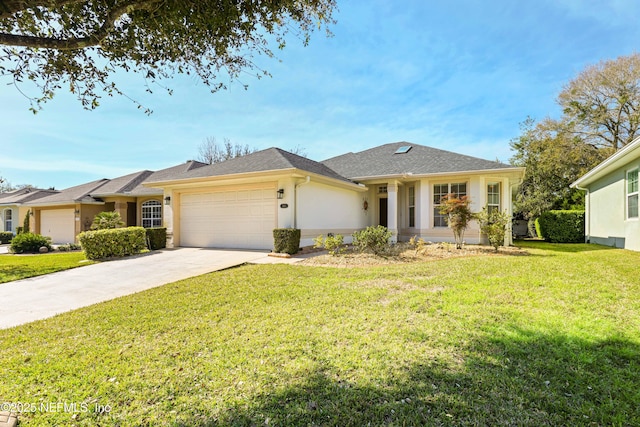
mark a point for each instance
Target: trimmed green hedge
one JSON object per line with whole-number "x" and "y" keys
{"x": 5, "y": 237}
{"x": 29, "y": 242}
{"x": 286, "y": 240}
{"x": 156, "y": 238}
{"x": 561, "y": 226}
{"x": 114, "y": 242}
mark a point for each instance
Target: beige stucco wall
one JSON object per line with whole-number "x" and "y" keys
{"x": 323, "y": 209}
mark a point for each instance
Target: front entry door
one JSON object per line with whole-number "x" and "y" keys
{"x": 383, "y": 212}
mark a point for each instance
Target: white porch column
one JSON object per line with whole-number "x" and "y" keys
{"x": 507, "y": 188}
{"x": 392, "y": 210}
{"x": 423, "y": 206}
{"x": 168, "y": 219}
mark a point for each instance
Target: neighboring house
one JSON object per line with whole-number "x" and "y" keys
{"x": 62, "y": 216}
{"x": 237, "y": 203}
{"x": 12, "y": 206}
{"x": 612, "y": 199}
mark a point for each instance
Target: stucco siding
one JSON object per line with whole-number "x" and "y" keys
{"x": 326, "y": 209}
{"x": 607, "y": 221}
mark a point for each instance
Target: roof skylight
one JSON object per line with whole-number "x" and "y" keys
{"x": 404, "y": 149}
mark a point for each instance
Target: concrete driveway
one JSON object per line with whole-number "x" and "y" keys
{"x": 40, "y": 297}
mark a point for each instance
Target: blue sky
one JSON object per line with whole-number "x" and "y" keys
{"x": 458, "y": 75}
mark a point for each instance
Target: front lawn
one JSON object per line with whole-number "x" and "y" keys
{"x": 552, "y": 338}
{"x": 15, "y": 267}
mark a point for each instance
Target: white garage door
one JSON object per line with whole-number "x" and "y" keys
{"x": 59, "y": 224}
{"x": 233, "y": 218}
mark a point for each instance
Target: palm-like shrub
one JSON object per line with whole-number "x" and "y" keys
{"x": 107, "y": 220}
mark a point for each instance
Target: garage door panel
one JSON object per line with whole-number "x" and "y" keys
{"x": 241, "y": 218}
{"x": 59, "y": 224}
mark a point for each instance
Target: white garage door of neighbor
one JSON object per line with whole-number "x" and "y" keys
{"x": 242, "y": 218}
{"x": 59, "y": 224}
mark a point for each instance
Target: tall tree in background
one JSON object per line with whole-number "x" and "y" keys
{"x": 5, "y": 185}
{"x": 554, "y": 157}
{"x": 600, "y": 114}
{"x": 211, "y": 152}
{"x": 602, "y": 104}
{"x": 81, "y": 43}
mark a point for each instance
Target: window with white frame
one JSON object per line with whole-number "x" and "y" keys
{"x": 412, "y": 206}
{"x": 632, "y": 194}
{"x": 493, "y": 197}
{"x": 8, "y": 220}
{"x": 458, "y": 189}
{"x": 152, "y": 214}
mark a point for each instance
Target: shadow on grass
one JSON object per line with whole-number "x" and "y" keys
{"x": 561, "y": 247}
{"x": 518, "y": 378}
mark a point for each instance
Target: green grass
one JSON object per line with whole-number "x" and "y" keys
{"x": 548, "y": 339}
{"x": 15, "y": 267}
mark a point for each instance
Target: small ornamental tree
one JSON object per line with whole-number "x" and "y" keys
{"x": 493, "y": 225}
{"x": 107, "y": 220}
{"x": 458, "y": 215}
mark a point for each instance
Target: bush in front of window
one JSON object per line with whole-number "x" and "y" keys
{"x": 286, "y": 240}
{"x": 156, "y": 238}
{"x": 115, "y": 242}
{"x": 493, "y": 225}
{"x": 561, "y": 226}
{"x": 107, "y": 220}
{"x": 373, "y": 239}
{"x": 458, "y": 214}
{"x": 5, "y": 237}
{"x": 29, "y": 243}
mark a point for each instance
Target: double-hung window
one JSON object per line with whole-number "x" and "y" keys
{"x": 152, "y": 214}
{"x": 458, "y": 189}
{"x": 8, "y": 220}
{"x": 412, "y": 206}
{"x": 493, "y": 197}
{"x": 632, "y": 193}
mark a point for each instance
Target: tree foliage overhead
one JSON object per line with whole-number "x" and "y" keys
{"x": 603, "y": 102}
{"x": 81, "y": 43}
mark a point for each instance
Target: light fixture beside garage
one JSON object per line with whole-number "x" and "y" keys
{"x": 280, "y": 194}
{"x": 167, "y": 200}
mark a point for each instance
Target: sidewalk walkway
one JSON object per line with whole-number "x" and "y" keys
{"x": 40, "y": 297}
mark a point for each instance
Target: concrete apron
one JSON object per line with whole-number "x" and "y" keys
{"x": 45, "y": 296}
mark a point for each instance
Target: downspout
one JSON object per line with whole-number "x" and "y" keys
{"x": 295, "y": 200}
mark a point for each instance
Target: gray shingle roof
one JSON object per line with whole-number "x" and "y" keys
{"x": 165, "y": 175}
{"x": 122, "y": 184}
{"x": 261, "y": 161}
{"x": 419, "y": 160}
{"x": 78, "y": 194}
{"x": 24, "y": 195}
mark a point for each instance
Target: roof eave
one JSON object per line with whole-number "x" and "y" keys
{"x": 408, "y": 175}
{"x": 63, "y": 203}
{"x": 615, "y": 161}
{"x": 213, "y": 178}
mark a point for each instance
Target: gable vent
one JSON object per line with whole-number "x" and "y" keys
{"x": 404, "y": 149}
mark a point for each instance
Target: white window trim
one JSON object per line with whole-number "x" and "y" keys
{"x": 436, "y": 205}
{"x": 149, "y": 207}
{"x": 634, "y": 193}
{"x": 499, "y": 205}
{"x": 411, "y": 205}
{"x": 4, "y": 219}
